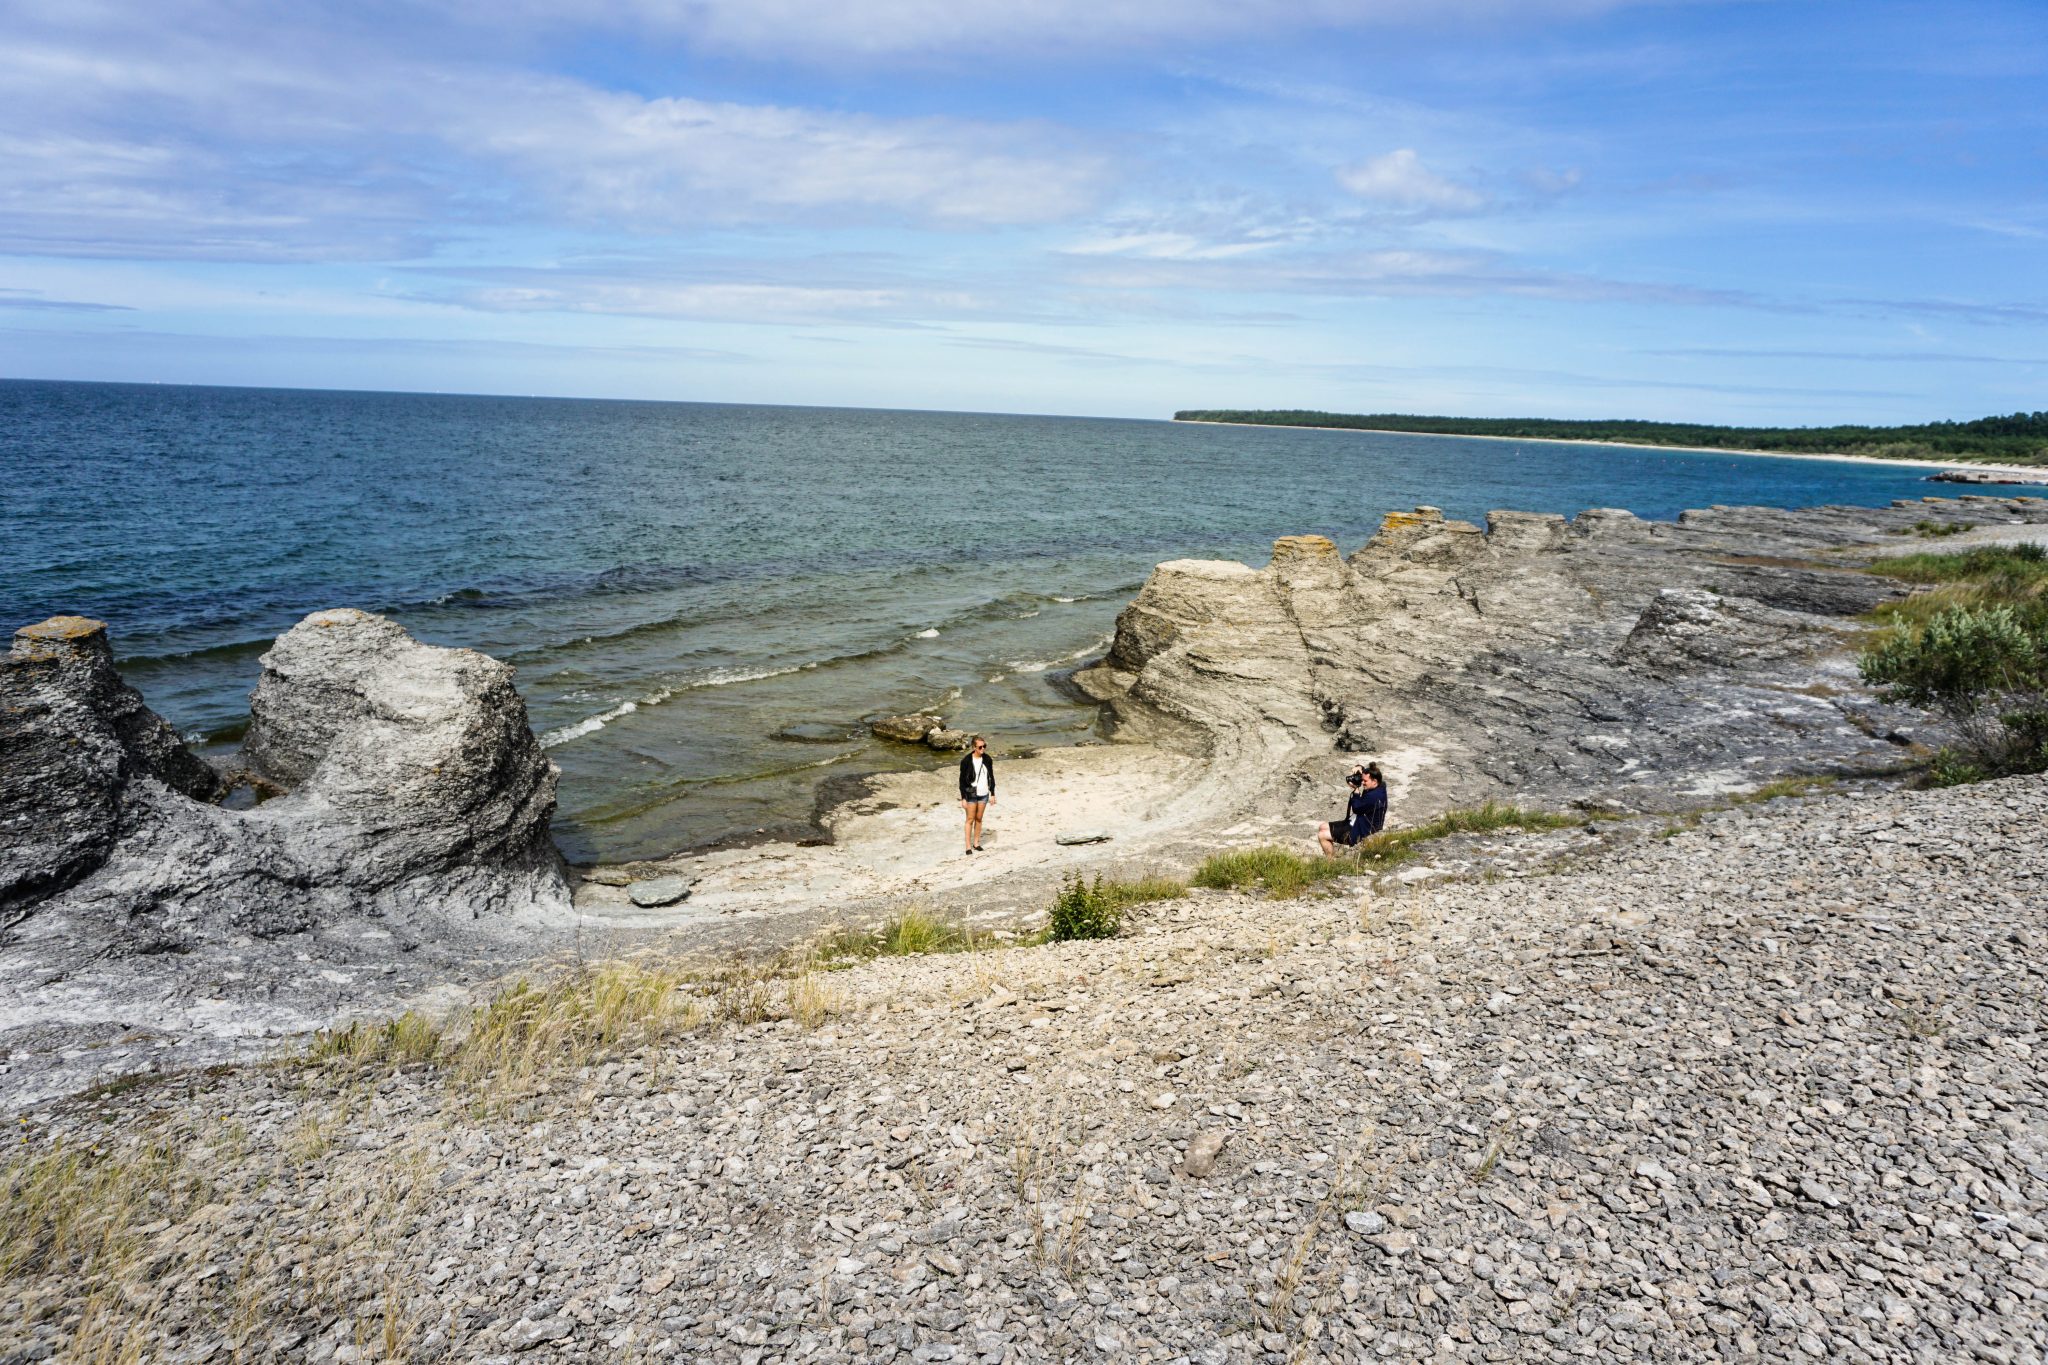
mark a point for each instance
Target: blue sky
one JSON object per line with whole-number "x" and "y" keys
{"x": 1770, "y": 211}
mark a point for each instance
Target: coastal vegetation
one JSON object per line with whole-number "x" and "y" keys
{"x": 1096, "y": 909}
{"x": 2021, "y": 438}
{"x": 1281, "y": 872}
{"x": 1974, "y": 647}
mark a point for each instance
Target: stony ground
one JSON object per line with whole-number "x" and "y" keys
{"x": 1766, "y": 1088}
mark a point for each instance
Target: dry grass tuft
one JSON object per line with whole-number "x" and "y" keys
{"x": 530, "y": 1032}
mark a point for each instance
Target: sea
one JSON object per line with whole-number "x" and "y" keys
{"x": 706, "y": 602}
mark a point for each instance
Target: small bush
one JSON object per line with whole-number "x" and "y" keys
{"x": 1937, "y": 530}
{"x": 1084, "y": 911}
{"x": 1974, "y": 648}
{"x": 1281, "y": 871}
{"x": 1961, "y": 659}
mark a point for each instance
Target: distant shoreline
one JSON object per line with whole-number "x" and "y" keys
{"x": 2034, "y": 473}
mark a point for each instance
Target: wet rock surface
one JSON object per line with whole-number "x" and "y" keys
{"x": 416, "y": 818}
{"x": 1603, "y": 660}
{"x": 1767, "y": 1088}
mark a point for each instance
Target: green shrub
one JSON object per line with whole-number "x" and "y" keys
{"x": 1961, "y": 659}
{"x": 1084, "y": 911}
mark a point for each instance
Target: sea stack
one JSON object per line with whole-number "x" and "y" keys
{"x": 414, "y": 793}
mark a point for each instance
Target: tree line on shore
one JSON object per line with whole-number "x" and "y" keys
{"x": 2021, "y": 438}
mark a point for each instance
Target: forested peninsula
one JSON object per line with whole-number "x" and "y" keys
{"x": 2021, "y": 438}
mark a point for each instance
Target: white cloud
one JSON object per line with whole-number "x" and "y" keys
{"x": 659, "y": 162}
{"x": 1168, "y": 246}
{"x": 834, "y": 30}
{"x": 302, "y": 142}
{"x": 1399, "y": 180}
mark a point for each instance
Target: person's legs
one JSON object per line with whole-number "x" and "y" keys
{"x": 967, "y": 808}
{"x": 1323, "y": 838}
{"x": 980, "y": 814}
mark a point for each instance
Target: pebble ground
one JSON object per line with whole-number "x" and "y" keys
{"x": 1765, "y": 1088}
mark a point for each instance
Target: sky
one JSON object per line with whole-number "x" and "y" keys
{"x": 1771, "y": 211}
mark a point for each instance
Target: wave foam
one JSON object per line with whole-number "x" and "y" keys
{"x": 1041, "y": 665}
{"x": 928, "y": 633}
{"x": 717, "y": 677}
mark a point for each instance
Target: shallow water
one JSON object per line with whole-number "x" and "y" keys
{"x": 704, "y": 601}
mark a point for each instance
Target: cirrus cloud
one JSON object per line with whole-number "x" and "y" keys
{"x": 1399, "y": 180}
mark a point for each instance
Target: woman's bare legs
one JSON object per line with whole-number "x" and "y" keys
{"x": 975, "y": 810}
{"x": 1323, "y": 838}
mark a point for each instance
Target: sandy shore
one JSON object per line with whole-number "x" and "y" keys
{"x": 902, "y": 843}
{"x": 2031, "y": 471}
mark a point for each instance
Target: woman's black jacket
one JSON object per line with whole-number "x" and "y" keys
{"x": 967, "y": 777}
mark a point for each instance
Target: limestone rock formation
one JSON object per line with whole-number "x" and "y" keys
{"x": 1602, "y": 659}
{"x": 76, "y": 741}
{"x": 414, "y": 826}
{"x": 416, "y": 792}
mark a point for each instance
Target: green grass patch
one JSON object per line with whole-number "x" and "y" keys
{"x": 411, "y": 1037}
{"x": 911, "y": 934}
{"x": 2014, "y": 576}
{"x": 1783, "y": 786}
{"x": 1280, "y": 872}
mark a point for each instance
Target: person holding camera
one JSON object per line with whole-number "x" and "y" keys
{"x": 1365, "y": 813}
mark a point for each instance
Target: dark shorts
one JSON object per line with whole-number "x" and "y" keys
{"x": 1340, "y": 830}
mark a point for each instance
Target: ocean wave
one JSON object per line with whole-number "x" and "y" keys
{"x": 590, "y": 725}
{"x": 232, "y": 649}
{"x": 928, "y": 633}
{"x": 1041, "y": 665}
{"x": 717, "y": 677}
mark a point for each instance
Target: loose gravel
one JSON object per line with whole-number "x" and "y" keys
{"x": 1767, "y": 1088}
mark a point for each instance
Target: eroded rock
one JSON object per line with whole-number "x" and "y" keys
{"x": 415, "y": 826}
{"x": 1604, "y": 659}
{"x": 76, "y": 742}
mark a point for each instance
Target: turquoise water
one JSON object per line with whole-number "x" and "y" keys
{"x": 704, "y": 601}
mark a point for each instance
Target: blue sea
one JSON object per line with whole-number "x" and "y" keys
{"x": 704, "y": 601}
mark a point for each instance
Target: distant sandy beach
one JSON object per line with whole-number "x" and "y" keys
{"x": 2033, "y": 473}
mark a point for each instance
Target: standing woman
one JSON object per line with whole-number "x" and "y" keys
{"x": 977, "y": 788}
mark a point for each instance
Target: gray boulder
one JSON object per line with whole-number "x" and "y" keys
{"x": 906, "y": 729}
{"x": 410, "y": 847}
{"x": 75, "y": 744}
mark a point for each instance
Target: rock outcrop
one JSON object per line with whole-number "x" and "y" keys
{"x": 416, "y": 792}
{"x": 1605, "y": 659}
{"x": 77, "y": 741}
{"x": 413, "y": 825}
